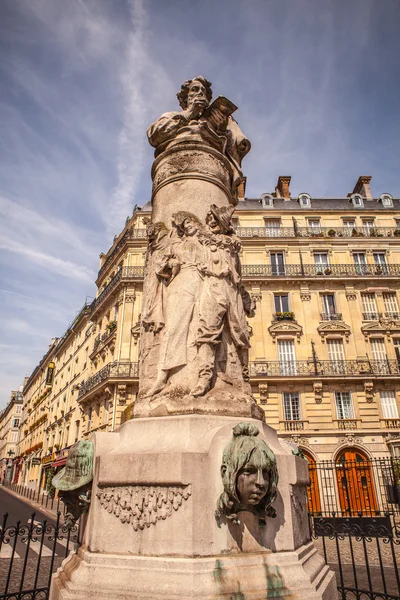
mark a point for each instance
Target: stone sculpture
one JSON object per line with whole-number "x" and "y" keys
{"x": 249, "y": 474}
{"x": 74, "y": 481}
{"x": 195, "y": 337}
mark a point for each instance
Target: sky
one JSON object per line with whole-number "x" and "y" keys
{"x": 317, "y": 86}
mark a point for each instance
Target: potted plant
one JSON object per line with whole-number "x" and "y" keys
{"x": 111, "y": 326}
{"x": 328, "y": 271}
{"x": 396, "y": 232}
{"x": 331, "y": 233}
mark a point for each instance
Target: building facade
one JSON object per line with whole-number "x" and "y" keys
{"x": 10, "y": 419}
{"x": 325, "y": 355}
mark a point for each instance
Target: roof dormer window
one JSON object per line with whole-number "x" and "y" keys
{"x": 267, "y": 200}
{"x": 305, "y": 200}
{"x": 357, "y": 200}
{"x": 387, "y": 200}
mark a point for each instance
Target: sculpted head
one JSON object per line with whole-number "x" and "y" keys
{"x": 186, "y": 224}
{"x": 249, "y": 475}
{"x": 219, "y": 218}
{"x": 195, "y": 90}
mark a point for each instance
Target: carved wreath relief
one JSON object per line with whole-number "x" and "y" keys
{"x": 142, "y": 506}
{"x": 249, "y": 475}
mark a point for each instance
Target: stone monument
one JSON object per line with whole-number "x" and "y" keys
{"x": 195, "y": 497}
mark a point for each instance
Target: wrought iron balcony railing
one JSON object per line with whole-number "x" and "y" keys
{"x": 320, "y": 270}
{"x": 324, "y": 368}
{"x": 331, "y": 316}
{"x": 317, "y": 232}
{"x": 124, "y": 273}
{"x": 371, "y": 316}
{"x": 392, "y": 315}
{"x": 128, "y": 370}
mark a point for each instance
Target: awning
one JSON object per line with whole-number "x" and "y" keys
{"x": 60, "y": 462}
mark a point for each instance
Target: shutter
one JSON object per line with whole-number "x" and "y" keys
{"x": 335, "y": 350}
{"x": 287, "y": 357}
{"x": 369, "y": 304}
{"x": 378, "y": 349}
{"x": 389, "y": 405}
{"x": 390, "y": 303}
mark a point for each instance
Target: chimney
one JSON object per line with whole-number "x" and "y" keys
{"x": 241, "y": 190}
{"x": 282, "y": 187}
{"x": 362, "y": 187}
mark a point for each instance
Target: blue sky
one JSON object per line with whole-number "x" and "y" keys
{"x": 317, "y": 85}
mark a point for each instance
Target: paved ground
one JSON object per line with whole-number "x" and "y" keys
{"x": 36, "y": 550}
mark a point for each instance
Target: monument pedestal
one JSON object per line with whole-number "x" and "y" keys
{"x": 152, "y": 531}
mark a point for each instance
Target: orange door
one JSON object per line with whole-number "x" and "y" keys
{"x": 313, "y": 497}
{"x": 355, "y": 483}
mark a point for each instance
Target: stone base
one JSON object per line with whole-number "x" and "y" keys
{"x": 297, "y": 575}
{"x": 217, "y": 402}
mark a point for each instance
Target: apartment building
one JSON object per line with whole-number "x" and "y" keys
{"x": 325, "y": 356}
{"x": 10, "y": 419}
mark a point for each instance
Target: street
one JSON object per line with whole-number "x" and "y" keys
{"x": 18, "y": 510}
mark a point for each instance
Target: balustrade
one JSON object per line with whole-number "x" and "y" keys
{"x": 114, "y": 369}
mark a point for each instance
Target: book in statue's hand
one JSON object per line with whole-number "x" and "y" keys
{"x": 223, "y": 105}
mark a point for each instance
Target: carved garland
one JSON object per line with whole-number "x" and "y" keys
{"x": 142, "y": 506}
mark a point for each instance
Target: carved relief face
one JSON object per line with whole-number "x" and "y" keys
{"x": 253, "y": 479}
{"x": 197, "y": 94}
{"x": 212, "y": 222}
{"x": 190, "y": 227}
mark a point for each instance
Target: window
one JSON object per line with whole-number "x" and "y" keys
{"x": 328, "y": 304}
{"x": 336, "y": 357}
{"x": 115, "y": 316}
{"x": 291, "y": 406}
{"x": 15, "y": 422}
{"x": 357, "y": 201}
{"x": 369, "y": 307}
{"x": 314, "y": 223}
{"x": 277, "y": 263}
{"x": 77, "y": 423}
{"x": 378, "y": 349}
{"x": 368, "y": 224}
{"x": 321, "y": 261}
{"x": 267, "y": 201}
{"x": 272, "y": 227}
{"x": 380, "y": 262}
{"x": 387, "y": 200}
{"x": 349, "y": 223}
{"x": 391, "y": 307}
{"x": 305, "y": 200}
{"x": 361, "y": 263}
{"x": 106, "y": 411}
{"x": 89, "y": 424}
{"x": 287, "y": 357}
{"x": 281, "y": 302}
{"x": 389, "y": 405}
{"x": 344, "y": 405}
{"x": 396, "y": 344}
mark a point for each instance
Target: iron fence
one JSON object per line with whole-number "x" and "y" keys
{"x": 324, "y": 368}
{"x": 30, "y": 553}
{"x": 364, "y": 555}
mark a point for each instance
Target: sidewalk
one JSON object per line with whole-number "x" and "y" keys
{"x": 38, "y": 506}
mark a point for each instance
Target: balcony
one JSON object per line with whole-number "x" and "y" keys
{"x": 331, "y": 316}
{"x": 114, "y": 370}
{"x": 346, "y": 424}
{"x": 317, "y": 232}
{"x": 124, "y": 274}
{"x": 371, "y": 316}
{"x": 391, "y": 423}
{"x": 392, "y": 315}
{"x": 324, "y": 368}
{"x": 262, "y": 271}
{"x": 297, "y": 425}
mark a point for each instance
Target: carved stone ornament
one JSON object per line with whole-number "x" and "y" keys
{"x": 143, "y": 506}
{"x": 305, "y": 295}
{"x": 249, "y": 475}
{"x": 385, "y": 326}
{"x": 339, "y": 327}
{"x": 317, "y": 386}
{"x": 280, "y": 328}
{"x": 351, "y": 295}
{"x": 350, "y": 440}
{"x": 135, "y": 331}
{"x": 369, "y": 391}
{"x": 121, "y": 393}
{"x": 263, "y": 391}
{"x": 299, "y": 440}
{"x": 256, "y": 296}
